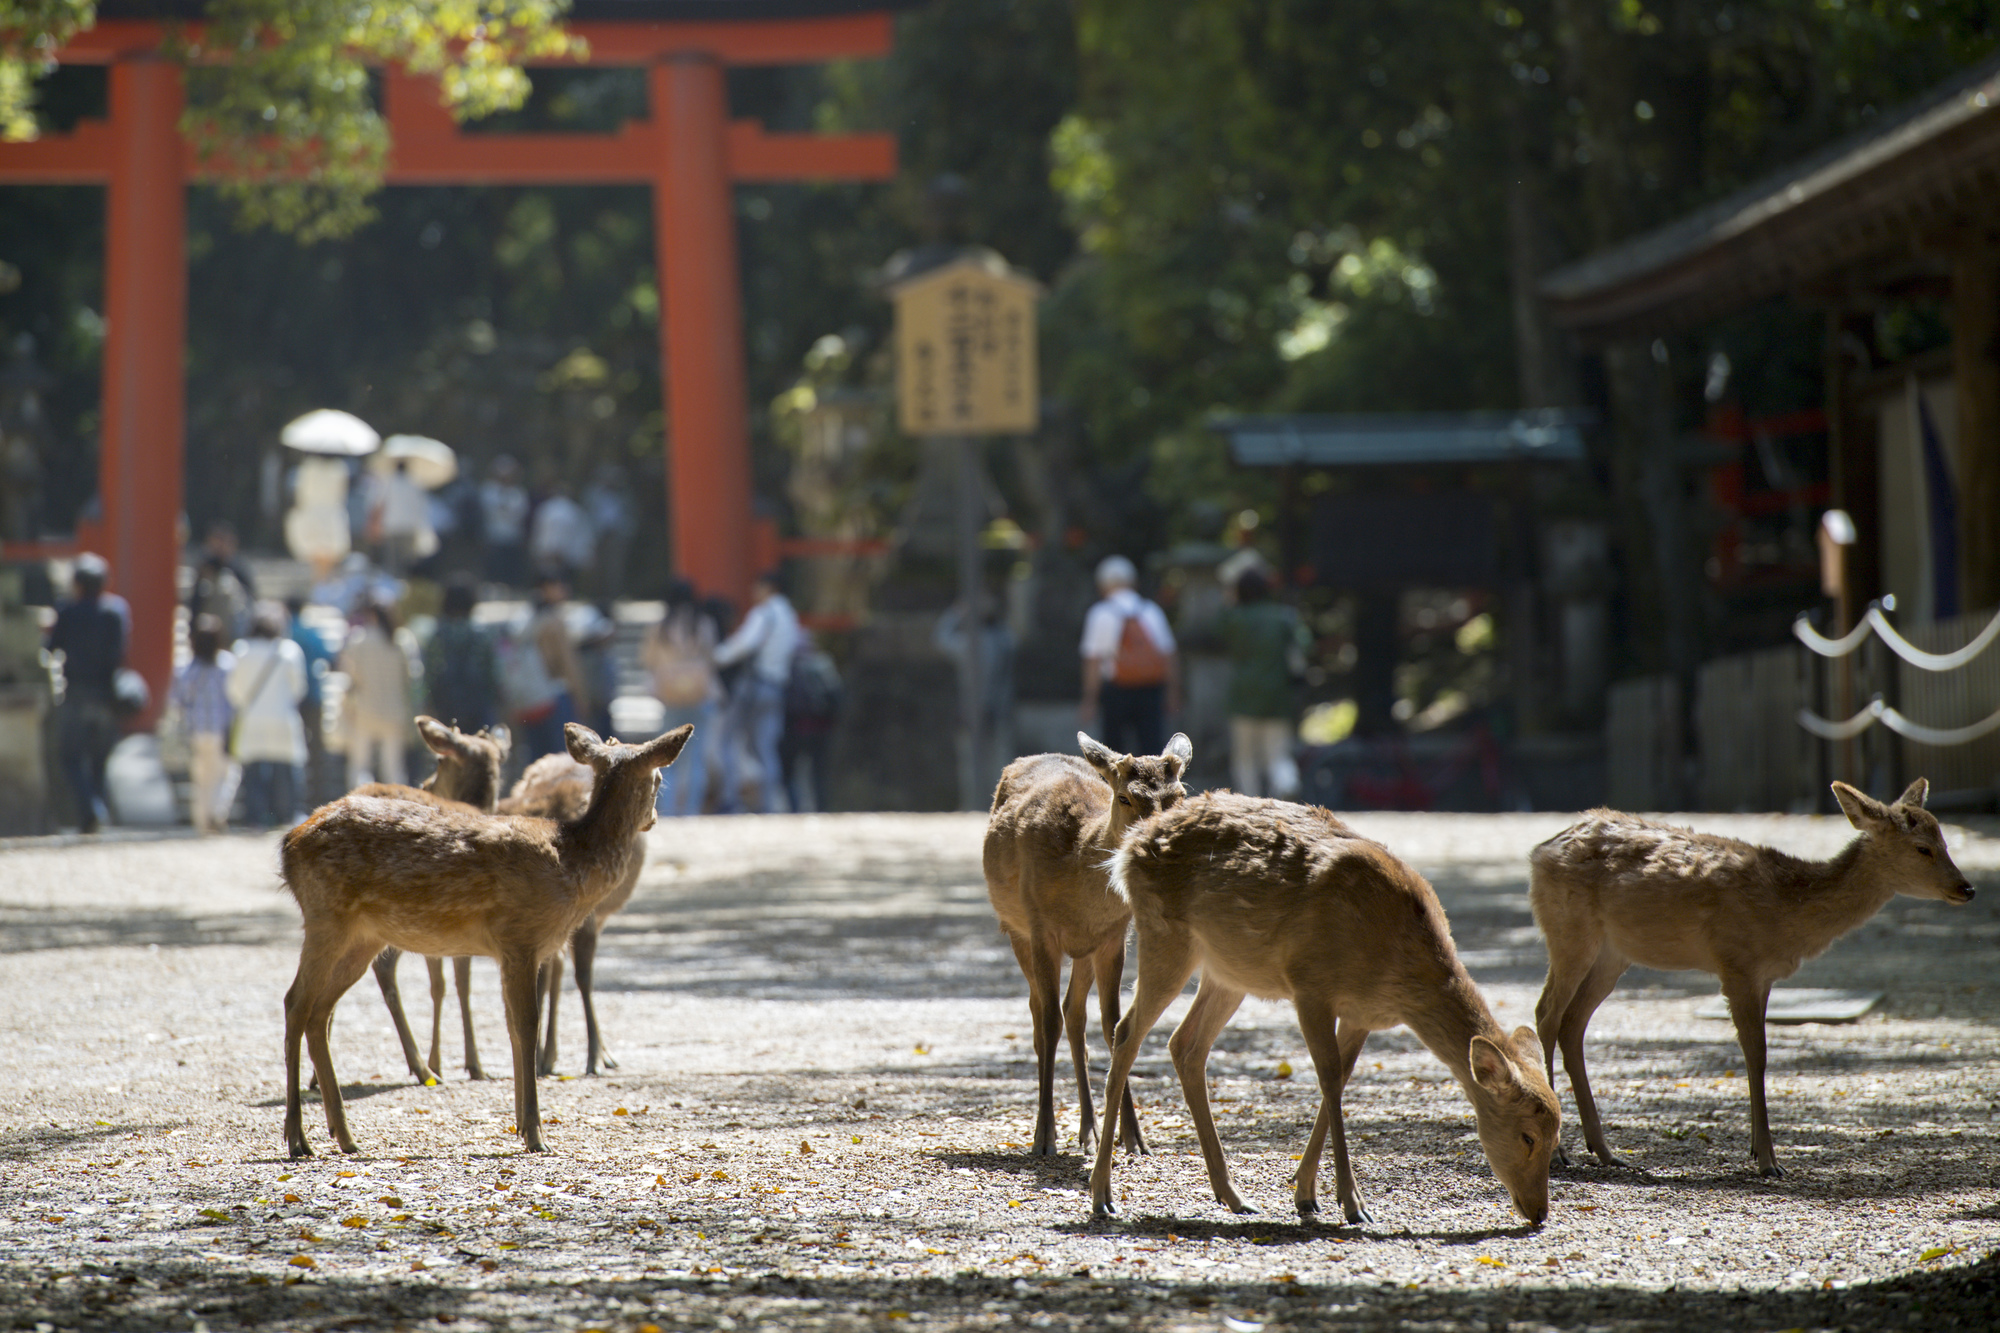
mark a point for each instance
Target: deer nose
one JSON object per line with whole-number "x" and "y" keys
{"x": 1962, "y": 893}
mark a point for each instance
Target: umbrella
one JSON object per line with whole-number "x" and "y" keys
{"x": 430, "y": 463}
{"x": 330, "y": 432}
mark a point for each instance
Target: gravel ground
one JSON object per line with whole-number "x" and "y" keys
{"x": 825, "y": 1083}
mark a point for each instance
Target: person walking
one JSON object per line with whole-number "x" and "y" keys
{"x": 269, "y": 740}
{"x": 541, "y": 676}
{"x": 1131, "y": 675}
{"x": 560, "y": 541}
{"x": 90, "y": 634}
{"x": 201, "y": 694}
{"x": 318, "y": 788}
{"x": 679, "y": 654}
{"x": 608, "y": 504}
{"x": 503, "y": 509}
{"x": 461, "y": 672}
{"x": 378, "y": 698}
{"x": 765, "y": 641}
{"x": 1266, "y": 643}
{"x": 402, "y": 517}
{"x": 813, "y": 696}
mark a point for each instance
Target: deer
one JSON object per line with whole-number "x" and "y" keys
{"x": 372, "y": 871}
{"x": 1284, "y": 901}
{"x": 1613, "y": 889}
{"x": 468, "y": 775}
{"x": 557, "y": 787}
{"x": 1055, "y": 821}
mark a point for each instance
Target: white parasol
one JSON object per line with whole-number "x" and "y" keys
{"x": 430, "y": 464}
{"x": 328, "y": 431}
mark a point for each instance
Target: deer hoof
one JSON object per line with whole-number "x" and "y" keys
{"x": 1358, "y": 1217}
{"x": 1308, "y": 1207}
{"x": 476, "y": 1074}
{"x": 1771, "y": 1171}
{"x": 1240, "y": 1208}
{"x": 1106, "y": 1210}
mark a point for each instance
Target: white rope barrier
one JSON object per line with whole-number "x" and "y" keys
{"x": 1878, "y": 623}
{"x": 1877, "y": 711}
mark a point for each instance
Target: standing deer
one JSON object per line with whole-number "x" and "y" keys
{"x": 557, "y": 787}
{"x": 1612, "y": 890}
{"x": 1286, "y": 902}
{"x": 370, "y": 871}
{"x": 1056, "y": 820}
{"x": 468, "y": 775}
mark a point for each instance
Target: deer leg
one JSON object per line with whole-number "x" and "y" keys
{"x": 1043, "y": 971}
{"x": 1109, "y": 966}
{"x": 1166, "y": 961}
{"x": 1214, "y": 1005}
{"x": 435, "y": 966}
{"x": 518, "y": 975}
{"x": 1603, "y": 976}
{"x": 1572, "y": 953}
{"x": 583, "y": 946}
{"x": 342, "y": 972}
{"x": 461, "y": 975}
{"x": 1321, "y": 1027}
{"x": 1747, "y": 999}
{"x": 548, "y": 990}
{"x": 385, "y": 977}
{"x": 1076, "y": 1018}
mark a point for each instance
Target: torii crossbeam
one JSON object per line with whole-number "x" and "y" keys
{"x": 689, "y": 151}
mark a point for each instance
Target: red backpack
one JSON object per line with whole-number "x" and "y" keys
{"x": 1139, "y": 662}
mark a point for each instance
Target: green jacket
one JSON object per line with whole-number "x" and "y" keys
{"x": 1262, "y": 639}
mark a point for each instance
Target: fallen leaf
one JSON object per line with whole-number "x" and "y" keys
{"x": 1937, "y": 1252}
{"x": 215, "y": 1214}
{"x": 621, "y": 1111}
{"x": 347, "y": 1175}
{"x": 1284, "y": 1069}
{"x": 303, "y": 1261}
{"x": 724, "y": 1175}
{"x": 487, "y": 1265}
{"x": 510, "y": 1245}
{"x": 805, "y": 1149}
{"x": 293, "y": 1198}
{"x": 356, "y": 1221}
{"x": 1490, "y": 1261}
{"x": 856, "y": 1138}
{"x": 1015, "y": 1203}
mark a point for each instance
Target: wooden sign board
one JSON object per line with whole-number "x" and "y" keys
{"x": 965, "y": 350}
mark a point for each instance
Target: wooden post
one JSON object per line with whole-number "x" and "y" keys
{"x": 144, "y": 392}
{"x": 701, "y": 329}
{"x": 1975, "y": 346}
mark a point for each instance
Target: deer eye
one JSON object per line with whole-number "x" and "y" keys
{"x": 1124, "y": 800}
{"x": 1529, "y": 1139}
{"x": 1925, "y": 851}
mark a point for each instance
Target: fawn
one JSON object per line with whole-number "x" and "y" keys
{"x": 1612, "y": 890}
{"x": 1056, "y": 820}
{"x": 370, "y": 871}
{"x": 468, "y": 774}
{"x": 1284, "y": 901}
{"x": 557, "y": 787}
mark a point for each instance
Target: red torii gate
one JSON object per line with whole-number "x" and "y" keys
{"x": 689, "y": 151}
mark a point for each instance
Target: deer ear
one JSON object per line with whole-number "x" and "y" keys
{"x": 663, "y": 750}
{"x": 1491, "y": 1069}
{"x": 1862, "y": 810}
{"x": 1915, "y": 794}
{"x": 583, "y": 745}
{"x": 1180, "y": 749}
{"x": 1101, "y": 758}
{"x": 1526, "y": 1045}
{"x": 503, "y": 739}
{"x": 441, "y": 739}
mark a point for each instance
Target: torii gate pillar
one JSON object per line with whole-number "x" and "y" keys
{"x": 701, "y": 347}
{"x": 144, "y": 395}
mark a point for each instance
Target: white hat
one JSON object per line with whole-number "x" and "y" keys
{"x": 1115, "y": 571}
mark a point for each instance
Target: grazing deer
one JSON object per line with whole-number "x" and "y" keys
{"x": 468, "y": 774}
{"x": 557, "y": 787}
{"x": 1056, "y": 820}
{"x": 1286, "y": 902}
{"x": 1612, "y": 890}
{"x": 370, "y": 871}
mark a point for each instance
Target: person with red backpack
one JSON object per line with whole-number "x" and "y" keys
{"x": 1131, "y": 676}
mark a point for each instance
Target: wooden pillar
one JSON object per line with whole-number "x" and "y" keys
{"x": 1854, "y": 458}
{"x": 144, "y": 392}
{"x": 708, "y": 445}
{"x": 1975, "y": 346}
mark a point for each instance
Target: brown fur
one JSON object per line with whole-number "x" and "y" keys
{"x": 1613, "y": 890}
{"x": 557, "y": 787}
{"x": 1284, "y": 901}
{"x": 467, "y": 778}
{"x": 1054, "y": 825}
{"x": 370, "y": 871}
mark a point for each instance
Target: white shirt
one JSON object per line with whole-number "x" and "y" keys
{"x": 505, "y": 508}
{"x": 405, "y": 507}
{"x": 1106, "y": 623}
{"x": 563, "y": 532}
{"x": 771, "y": 631}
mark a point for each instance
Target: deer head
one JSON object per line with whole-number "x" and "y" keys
{"x": 1141, "y": 785}
{"x": 1906, "y": 843}
{"x": 1518, "y": 1117}
{"x": 625, "y": 773}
